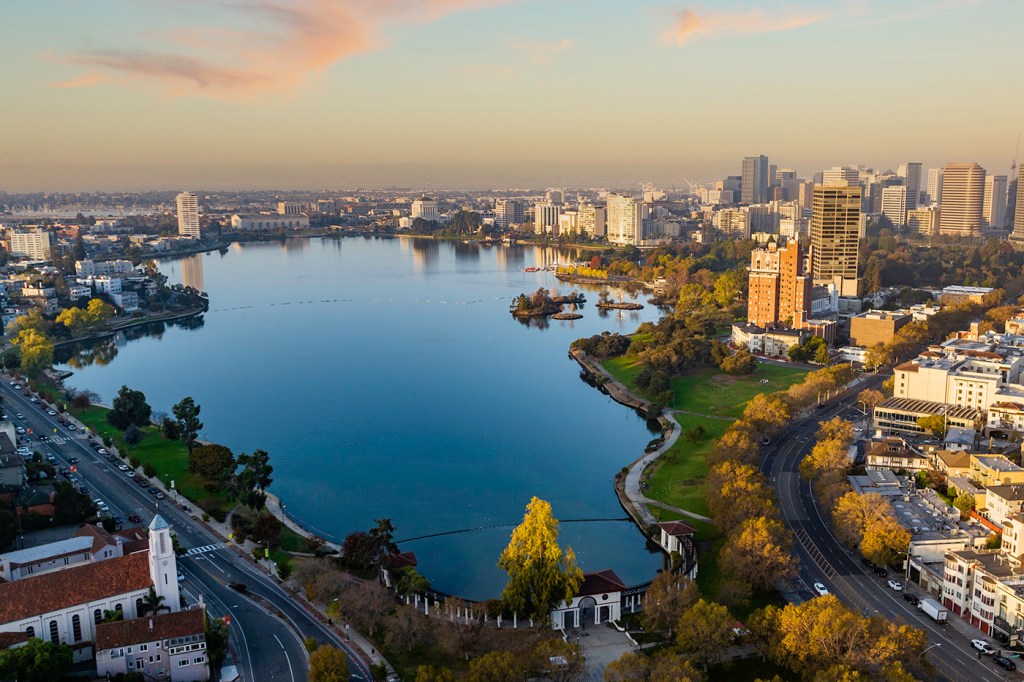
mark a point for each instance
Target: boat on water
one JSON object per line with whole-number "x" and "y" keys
{"x": 531, "y": 269}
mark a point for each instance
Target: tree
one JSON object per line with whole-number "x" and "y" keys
{"x": 407, "y": 629}
{"x": 820, "y": 633}
{"x": 267, "y": 530}
{"x": 934, "y": 424}
{"x": 74, "y": 319}
{"x": 822, "y": 356}
{"x": 630, "y": 667}
{"x": 766, "y": 412}
{"x": 33, "y": 319}
{"x": 885, "y": 540}
{"x": 428, "y": 673}
{"x": 559, "y": 661}
{"x": 250, "y": 484}
{"x": 37, "y": 661}
{"x": 8, "y": 528}
{"x": 130, "y": 407}
{"x": 759, "y": 552}
{"x": 825, "y": 457}
{"x": 671, "y": 667}
{"x": 214, "y": 462}
{"x": 965, "y": 503}
{"x": 153, "y": 603}
{"x": 328, "y": 664}
{"x": 540, "y": 576}
{"x": 186, "y": 413}
{"x": 867, "y": 521}
{"x": 496, "y": 666}
{"x": 367, "y": 606}
{"x": 132, "y": 434}
{"x": 740, "y": 362}
{"x": 666, "y": 599}
{"x": 870, "y": 398}
{"x": 36, "y": 351}
{"x": 703, "y": 631}
{"x": 170, "y": 429}
{"x": 99, "y": 311}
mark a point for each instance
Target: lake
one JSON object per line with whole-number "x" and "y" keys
{"x": 386, "y": 378}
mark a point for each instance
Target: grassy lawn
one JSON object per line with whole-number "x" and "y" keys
{"x": 168, "y": 457}
{"x": 678, "y": 475}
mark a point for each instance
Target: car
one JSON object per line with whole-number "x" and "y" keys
{"x": 135, "y": 518}
{"x": 17, "y": 387}
{"x": 153, "y": 491}
{"x": 766, "y": 441}
{"x": 911, "y": 598}
{"x": 880, "y": 571}
{"x": 51, "y": 459}
{"x": 1004, "y": 663}
{"x": 20, "y": 430}
{"x": 101, "y": 451}
{"x": 895, "y": 585}
{"x": 983, "y": 646}
{"x": 130, "y": 473}
{"x": 71, "y": 427}
{"x": 23, "y": 451}
{"x": 52, "y": 413}
{"x": 102, "y": 506}
{"x": 34, "y": 399}
{"x": 12, "y": 382}
{"x": 73, "y": 460}
{"x": 160, "y": 496}
{"x": 19, "y": 415}
{"x": 124, "y": 467}
{"x": 181, "y": 577}
{"x": 82, "y": 489}
{"x": 73, "y": 479}
{"x": 821, "y": 589}
{"x": 44, "y": 438}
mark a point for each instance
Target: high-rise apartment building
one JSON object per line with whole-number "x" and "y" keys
{"x": 33, "y": 244}
{"x": 732, "y": 222}
{"x": 924, "y": 221}
{"x": 509, "y": 212}
{"x": 545, "y": 217}
{"x": 935, "y": 185}
{"x": 836, "y": 174}
{"x": 895, "y": 203}
{"x": 754, "y": 185}
{"x": 910, "y": 173}
{"x": 993, "y": 206}
{"x": 555, "y": 196}
{"x": 835, "y": 229}
{"x": 592, "y": 219}
{"x": 779, "y": 290}
{"x": 188, "y": 215}
{"x": 963, "y": 193}
{"x": 1018, "y": 215}
{"x": 625, "y": 220}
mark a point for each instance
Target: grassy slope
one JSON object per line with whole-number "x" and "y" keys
{"x": 678, "y": 476}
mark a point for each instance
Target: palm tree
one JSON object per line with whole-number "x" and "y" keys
{"x": 112, "y": 616}
{"x": 153, "y": 603}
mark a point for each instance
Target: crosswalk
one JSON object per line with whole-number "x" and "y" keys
{"x": 205, "y": 548}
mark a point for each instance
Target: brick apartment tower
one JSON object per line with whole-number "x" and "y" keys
{"x": 779, "y": 289}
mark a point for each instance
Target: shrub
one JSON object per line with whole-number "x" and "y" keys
{"x": 212, "y": 506}
{"x": 134, "y": 461}
{"x": 149, "y": 469}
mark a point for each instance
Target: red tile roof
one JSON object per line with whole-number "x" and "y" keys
{"x": 601, "y": 582}
{"x": 396, "y": 561}
{"x": 908, "y": 367}
{"x": 72, "y": 586}
{"x": 677, "y": 528}
{"x": 9, "y": 639}
{"x": 149, "y": 629}
{"x": 100, "y": 537}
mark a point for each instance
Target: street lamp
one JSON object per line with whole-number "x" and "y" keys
{"x": 641, "y": 638}
{"x": 931, "y": 647}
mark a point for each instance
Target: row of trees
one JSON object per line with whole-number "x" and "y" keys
{"x": 95, "y": 313}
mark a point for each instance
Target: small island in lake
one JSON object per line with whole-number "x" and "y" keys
{"x": 542, "y": 303}
{"x": 607, "y": 304}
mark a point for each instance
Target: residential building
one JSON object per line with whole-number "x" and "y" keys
{"x": 545, "y": 217}
{"x": 1001, "y": 501}
{"x": 188, "y": 215}
{"x": 168, "y": 646}
{"x": 894, "y": 454}
{"x": 993, "y": 206}
{"x": 924, "y": 221}
{"x": 910, "y": 173}
{"x": 900, "y": 415}
{"x": 779, "y": 292}
{"x": 894, "y": 204}
{"x": 568, "y": 223}
{"x": 835, "y": 231}
{"x": 841, "y": 174}
{"x": 1005, "y": 420}
{"x": 262, "y": 222}
{"x": 955, "y": 294}
{"x": 426, "y": 208}
{"x": 624, "y": 220}
{"x": 935, "y": 185}
{"x": 32, "y": 244}
{"x": 876, "y": 326}
{"x": 732, "y": 222}
{"x": 1018, "y": 213}
{"x": 678, "y": 537}
{"x": 592, "y": 219}
{"x": 90, "y": 268}
{"x": 771, "y": 342}
{"x": 990, "y": 470}
{"x": 508, "y": 212}
{"x": 963, "y": 192}
{"x": 55, "y": 556}
{"x": 754, "y": 187}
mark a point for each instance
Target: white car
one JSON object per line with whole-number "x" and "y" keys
{"x": 821, "y": 589}
{"x": 101, "y": 505}
{"x": 124, "y": 467}
{"x": 982, "y": 646}
{"x": 895, "y": 585}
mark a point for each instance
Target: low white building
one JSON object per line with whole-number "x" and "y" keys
{"x": 169, "y": 646}
{"x": 54, "y": 556}
{"x": 676, "y": 536}
{"x": 772, "y": 342}
{"x": 128, "y": 301}
{"x": 263, "y": 222}
{"x": 91, "y": 268}
{"x": 599, "y": 600}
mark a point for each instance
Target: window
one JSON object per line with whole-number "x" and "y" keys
{"x": 54, "y": 633}
{"x": 76, "y": 627}
{"x": 143, "y": 647}
{"x": 198, "y": 660}
{"x": 138, "y": 607}
{"x": 182, "y": 663}
{"x": 158, "y": 658}
{"x": 118, "y": 607}
{"x": 30, "y": 631}
{"x": 97, "y": 616}
{"x": 67, "y": 560}
{"x": 139, "y": 663}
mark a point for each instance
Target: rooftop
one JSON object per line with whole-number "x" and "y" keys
{"x": 60, "y": 548}
{"x": 1014, "y": 493}
{"x": 149, "y": 629}
{"x": 677, "y": 528}
{"x": 927, "y": 407}
{"x": 600, "y": 582}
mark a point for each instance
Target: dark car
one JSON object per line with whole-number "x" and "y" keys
{"x": 880, "y": 572}
{"x": 911, "y": 598}
{"x": 135, "y": 518}
{"x": 72, "y": 460}
{"x": 1004, "y": 663}
{"x": 153, "y": 491}
{"x": 868, "y": 562}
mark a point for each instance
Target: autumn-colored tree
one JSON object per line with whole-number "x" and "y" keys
{"x": 99, "y": 311}
{"x": 36, "y": 351}
{"x": 407, "y": 629}
{"x": 884, "y": 540}
{"x": 766, "y": 412}
{"x": 821, "y": 633}
{"x": 75, "y": 319}
{"x": 760, "y": 553}
{"x": 327, "y": 664}
{"x": 666, "y": 599}
{"x": 540, "y": 576}
{"x": 33, "y": 319}
{"x": 428, "y": 673}
{"x": 630, "y": 667}
{"x": 870, "y": 398}
{"x": 853, "y": 513}
{"x": 496, "y": 666}
{"x": 836, "y": 428}
{"x": 737, "y": 492}
{"x": 556, "y": 660}
{"x": 366, "y": 606}
{"x": 934, "y": 424}
{"x": 830, "y": 455}
{"x": 703, "y": 631}
{"x": 739, "y": 443}
{"x": 671, "y": 667}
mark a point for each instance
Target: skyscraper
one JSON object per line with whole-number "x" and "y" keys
{"x": 993, "y": 206}
{"x": 624, "y": 220}
{"x": 935, "y": 185}
{"x": 188, "y": 215}
{"x": 963, "y": 193}
{"x": 835, "y": 229}
{"x": 851, "y": 176}
{"x": 896, "y": 203}
{"x": 911, "y": 174}
{"x": 509, "y": 212}
{"x": 1018, "y": 215}
{"x": 754, "y": 187}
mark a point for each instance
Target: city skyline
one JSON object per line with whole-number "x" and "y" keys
{"x": 482, "y": 93}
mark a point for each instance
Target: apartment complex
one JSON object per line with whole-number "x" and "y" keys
{"x": 33, "y": 244}
{"x": 188, "y": 215}
{"x": 779, "y": 291}
{"x": 835, "y": 236}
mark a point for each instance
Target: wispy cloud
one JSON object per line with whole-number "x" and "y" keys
{"x": 86, "y": 80}
{"x": 695, "y": 24}
{"x": 271, "y": 46}
{"x": 540, "y": 53}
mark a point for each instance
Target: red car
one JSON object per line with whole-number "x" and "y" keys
{"x": 135, "y": 518}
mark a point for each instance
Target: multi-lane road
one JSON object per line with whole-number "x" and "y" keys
{"x": 824, "y": 559}
{"x": 265, "y": 645}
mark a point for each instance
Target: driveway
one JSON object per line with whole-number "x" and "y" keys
{"x": 601, "y": 645}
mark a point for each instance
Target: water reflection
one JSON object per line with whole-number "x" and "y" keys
{"x": 103, "y": 351}
{"x": 192, "y": 272}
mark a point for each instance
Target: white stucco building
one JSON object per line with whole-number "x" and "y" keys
{"x": 598, "y": 600}
{"x": 169, "y": 646}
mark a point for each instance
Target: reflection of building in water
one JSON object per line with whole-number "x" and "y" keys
{"x": 192, "y": 272}
{"x": 424, "y": 254}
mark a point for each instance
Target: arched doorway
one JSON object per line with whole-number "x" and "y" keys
{"x": 587, "y": 611}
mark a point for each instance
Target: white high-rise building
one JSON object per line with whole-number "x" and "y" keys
{"x": 993, "y": 208}
{"x": 850, "y": 176}
{"x": 911, "y": 175}
{"x": 963, "y": 193}
{"x": 33, "y": 244}
{"x": 592, "y": 219}
{"x": 935, "y": 185}
{"x": 545, "y": 217}
{"x": 509, "y": 212}
{"x": 188, "y": 215}
{"x": 895, "y": 203}
{"x": 625, "y": 220}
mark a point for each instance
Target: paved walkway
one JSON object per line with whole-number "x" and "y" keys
{"x": 601, "y": 644}
{"x": 677, "y": 510}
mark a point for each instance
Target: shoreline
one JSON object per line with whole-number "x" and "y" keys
{"x": 133, "y": 323}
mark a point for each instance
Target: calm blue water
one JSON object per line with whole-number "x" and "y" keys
{"x": 387, "y": 378}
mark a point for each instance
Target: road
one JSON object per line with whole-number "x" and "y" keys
{"x": 267, "y": 646}
{"x": 824, "y": 559}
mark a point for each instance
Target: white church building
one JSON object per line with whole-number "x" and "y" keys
{"x": 65, "y": 606}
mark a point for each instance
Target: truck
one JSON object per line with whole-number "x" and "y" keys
{"x": 934, "y": 609}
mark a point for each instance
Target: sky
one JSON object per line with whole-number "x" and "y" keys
{"x": 339, "y": 94}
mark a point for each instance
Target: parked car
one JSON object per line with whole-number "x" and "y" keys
{"x": 160, "y": 496}
{"x": 123, "y": 467}
{"x": 71, "y": 427}
{"x": 820, "y": 589}
{"x": 101, "y": 505}
{"x": 73, "y": 460}
{"x": 135, "y": 518}
{"x": 181, "y": 577}
{"x": 51, "y": 459}
{"x": 102, "y": 451}
{"x": 1004, "y": 663}
{"x": 880, "y": 571}
{"x": 153, "y": 491}
{"x": 983, "y": 646}
{"x": 20, "y": 430}
{"x": 911, "y": 598}
{"x": 895, "y": 585}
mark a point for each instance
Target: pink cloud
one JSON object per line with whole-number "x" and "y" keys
{"x": 86, "y": 80}
{"x": 691, "y": 24}
{"x": 282, "y": 44}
